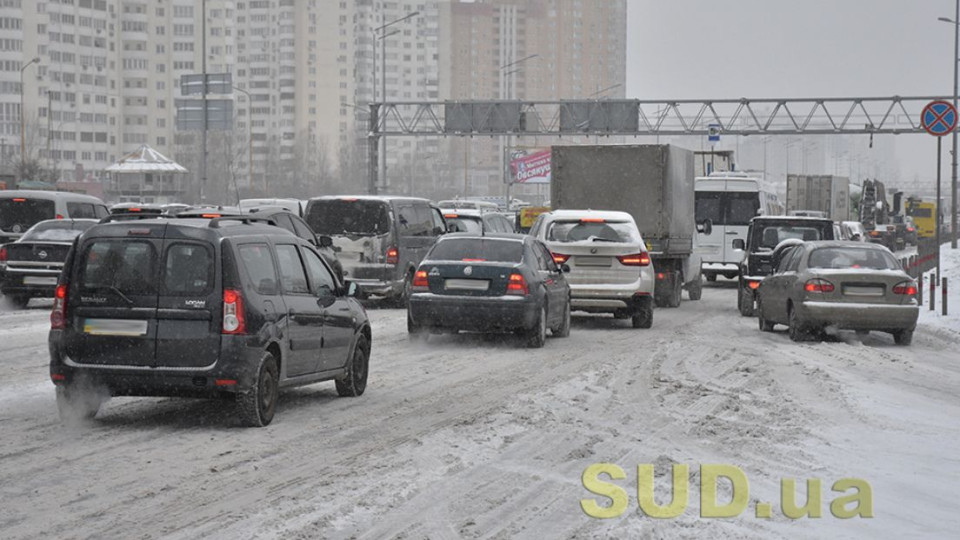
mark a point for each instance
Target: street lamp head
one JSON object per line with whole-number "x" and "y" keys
{"x": 946, "y": 20}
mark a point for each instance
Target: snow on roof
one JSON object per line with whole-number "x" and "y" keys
{"x": 145, "y": 160}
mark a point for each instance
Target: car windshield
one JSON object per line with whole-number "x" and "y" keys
{"x": 348, "y": 216}
{"x": 843, "y": 258}
{"x": 19, "y": 214}
{"x": 477, "y": 249}
{"x": 595, "y": 231}
{"x": 56, "y": 231}
{"x": 771, "y": 235}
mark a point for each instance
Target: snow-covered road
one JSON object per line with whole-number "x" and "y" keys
{"x": 464, "y": 437}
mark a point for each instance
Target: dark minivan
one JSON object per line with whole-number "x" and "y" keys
{"x": 226, "y": 307}
{"x": 380, "y": 240}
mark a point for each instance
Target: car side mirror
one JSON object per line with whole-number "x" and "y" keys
{"x": 705, "y": 227}
{"x": 565, "y": 268}
{"x": 324, "y": 241}
{"x": 351, "y": 288}
{"x": 326, "y": 300}
{"x": 739, "y": 243}
{"x": 437, "y": 231}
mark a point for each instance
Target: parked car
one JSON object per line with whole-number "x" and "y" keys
{"x": 30, "y": 267}
{"x": 22, "y": 209}
{"x": 497, "y": 283}
{"x": 763, "y": 237}
{"x": 844, "y": 285}
{"x": 610, "y": 268}
{"x": 225, "y": 307}
{"x": 381, "y": 240}
{"x": 476, "y": 221}
{"x": 292, "y": 222}
{"x": 852, "y": 231}
{"x": 293, "y": 205}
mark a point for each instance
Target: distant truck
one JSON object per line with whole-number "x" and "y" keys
{"x": 654, "y": 184}
{"x": 820, "y": 193}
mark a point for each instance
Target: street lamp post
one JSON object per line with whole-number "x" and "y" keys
{"x": 383, "y": 81}
{"x": 23, "y": 124}
{"x": 505, "y": 141}
{"x": 953, "y": 172}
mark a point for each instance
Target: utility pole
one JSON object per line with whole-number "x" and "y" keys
{"x": 953, "y": 179}
{"x": 383, "y": 81}
{"x": 23, "y": 123}
{"x": 250, "y": 143}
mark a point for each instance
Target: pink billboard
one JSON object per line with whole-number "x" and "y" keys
{"x": 533, "y": 168}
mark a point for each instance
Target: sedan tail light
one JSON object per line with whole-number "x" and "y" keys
{"x": 3, "y": 255}
{"x": 517, "y": 285}
{"x": 908, "y": 288}
{"x": 393, "y": 255}
{"x": 818, "y": 286}
{"x": 420, "y": 282}
{"x": 234, "y": 321}
{"x": 560, "y": 258}
{"x": 58, "y": 316}
{"x": 636, "y": 259}
{"x": 753, "y": 284}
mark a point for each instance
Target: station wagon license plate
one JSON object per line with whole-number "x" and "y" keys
{"x": 114, "y": 327}
{"x": 39, "y": 280}
{"x": 467, "y": 284}
{"x": 593, "y": 261}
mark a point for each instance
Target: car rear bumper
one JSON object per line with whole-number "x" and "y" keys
{"x": 237, "y": 362}
{"x": 858, "y": 316}
{"x": 491, "y": 314}
{"x": 719, "y": 267}
{"x": 12, "y": 282}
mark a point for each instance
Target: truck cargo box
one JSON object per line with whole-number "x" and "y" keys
{"x": 824, "y": 193}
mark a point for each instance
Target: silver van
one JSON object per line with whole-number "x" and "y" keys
{"x": 22, "y": 209}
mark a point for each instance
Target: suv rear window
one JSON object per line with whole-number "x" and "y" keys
{"x": 127, "y": 266}
{"x": 771, "y": 235}
{"x": 22, "y": 213}
{"x": 580, "y": 231}
{"x": 486, "y": 249}
{"x": 348, "y": 216}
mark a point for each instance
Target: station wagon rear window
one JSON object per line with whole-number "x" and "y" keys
{"x": 188, "y": 270}
{"x": 19, "y": 214}
{"x": 843, "y": 258}
{"x": 585, "y": 231}
{"x": 478, "y": 249}
{"x": 349, "y": 216}
{"x": 124, "y": 266}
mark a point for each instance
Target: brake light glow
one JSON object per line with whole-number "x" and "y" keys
{"x": 592, "y": 220}
{"x": 818, "y": 286}
{"x": 234, "y": 321}
{"x": 636, "y": 259}
{"x": 133, "y": 209}
{"x": 225, "y": 382}
{"x": 661, "y": 275}
{"x": 58, "y": 377}
{"x": 420, "y": 281}
{"x": 3, "y": 254}
{"x": 907, "y": 287}
{"x": 753, "y": 284}
{"x": 210, "y": 216}
{"x": 517, "y": 285}
{"x": 393, "y": 255}
{"x": 909, "y": 229}
{"x": 473, "y": 260}
{"x": 19, "y": 200}
{"x": 59, "y": 216}
{"x": 58, "y": 315}
{"x": 451, "y": 216}
{"x": 560, "y": 258}
{"x": 350, "y": 199}
{"x": 874, "y": 233}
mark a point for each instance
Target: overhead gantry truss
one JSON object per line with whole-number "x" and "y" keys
{"x": 799, "y": 116}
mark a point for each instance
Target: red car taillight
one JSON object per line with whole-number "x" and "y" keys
{"x": 234, "y": 321}
{"x": 3, "y": 254}
{"x": 420, "y": 282}
{"x": 58, "y": 316}
{"x": 560, "y": 258}
{"x": 393, "y": 255}
{"x": 907, "y": 287}
{"x": 517, "y": 285}
{"x": 636, "y": 259}
{"x": 818, "y": 286}
{"x": 754, "y": 285}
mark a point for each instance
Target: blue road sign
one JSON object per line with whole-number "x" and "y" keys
{"x": 939, "y": 118}
{"x": 713, "y": 132}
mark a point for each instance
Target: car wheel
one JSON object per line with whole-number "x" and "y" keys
{"x": 674, "y": 299}
{"x": 745, "y": 302}
{"x": 695, "y": 291}
{"x": 903, "y": 337}
{"x": 537, "y": 335}
{"x": 564, "y": 329}
{"x": 356, "y": 380}
{"x": 73, "y": 404}
{"x": 20, "y": 301}
{"x": 402, "y": 299}
{"x": 711, "y": 277}
{"x": 643, "y": 318}
{"x": 258, "y": 404}
{"x": 796, "y": 330}
{"x": 765, "y": 325}
{"x": 415, "y": 332}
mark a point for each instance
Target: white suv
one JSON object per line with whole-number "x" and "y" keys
{"x": 610, "y": 268}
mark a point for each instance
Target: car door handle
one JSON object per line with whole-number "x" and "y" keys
{"x": 731, "y": 232}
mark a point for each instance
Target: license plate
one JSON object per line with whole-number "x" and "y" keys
{"x": 859, "y": 290}
{"x": 467, "y": 284}
{"x": 34, "y": 280}
{"x": 593, "y": 261}
{"x": 114, "y": 327}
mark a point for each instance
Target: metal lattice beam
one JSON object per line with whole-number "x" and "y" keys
{"x": 796, "y": 116}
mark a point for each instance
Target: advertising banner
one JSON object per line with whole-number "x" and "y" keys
{"x": 531, "y": 168}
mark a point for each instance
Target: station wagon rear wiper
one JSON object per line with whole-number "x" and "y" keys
{"x": 114, "y": 290}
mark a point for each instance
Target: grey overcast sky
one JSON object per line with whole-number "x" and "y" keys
{"x": 794, "y": 48}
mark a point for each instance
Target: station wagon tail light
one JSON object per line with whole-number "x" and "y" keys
{"x": 636, "y": 259}
{"x": 818, "y": 286}
{"x": 560, "y": 258}
{"x": 233, "y": 318}
{"x": 393, "y": 255}
{"x": 58, "y": 316}
{"x": 420, "y": 282}
{"x": 517, "y": 285}
{"x": 907, "y": 287}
